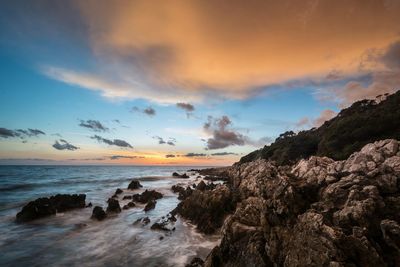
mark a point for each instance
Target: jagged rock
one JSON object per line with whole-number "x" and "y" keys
{"x": 146, "y": 196}
{"x": 98, "y": 213}
{"x": 43, "y": 207}
{"x": 207, "y": 209}
{"x": 183, "y": 193}
{"x": 127, "y": 197}
{"x": 165, "y": 223}
{"x": 135, "y": 184}
{"x": 118, "y": 191}
{"x": 113, "y": 205}
{"x": 150, "y": 205}
{"x": 89, "y": 205}
{"x": 318, "y": 212}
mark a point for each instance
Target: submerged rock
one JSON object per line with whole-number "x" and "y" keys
{"x": 43, "y": 207}
{"x": 113, "y": 205}
{"x": 144, "y": 221}
{"x": 129, "y": 205}
{"x": 318, "y": 212}
{"x": 98, "y": 213}
{"x": 150, "y": 205}
{"x": 135, "y": 184}
{"x": 177, "y": 175}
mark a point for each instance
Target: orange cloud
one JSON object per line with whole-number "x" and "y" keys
{"x": 160, "y": 49}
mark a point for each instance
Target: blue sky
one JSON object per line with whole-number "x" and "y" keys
{"x": 59, "y": 71}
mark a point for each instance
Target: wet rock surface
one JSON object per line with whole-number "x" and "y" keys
{"x": 318, "y": 212}
{"x": 113, "y": 205}
{"x": 147, "y": 196}
{"x": 98, "y": 213}
{"x": 135, "y": 184}
{"x": 43, "y": 207}
{"x": 177, "y": 175}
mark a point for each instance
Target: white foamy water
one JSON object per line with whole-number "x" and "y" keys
{"x": 73, "y": 239}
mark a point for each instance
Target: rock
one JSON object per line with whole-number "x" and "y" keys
{"x": 177, "y": 175}
{"x": 43, "y": 207}
{"x": 118, "y": 191}
{"x": 318, "y": 212}
{"x": 89, "y": 205}
{"x": 135, "y": 184}
{"x": 129, "y": 205}
{"x": 166, "y": 223}
{"x": 183, "y": 193}
{"x": 127, "y": 197}
{"x": 98, "y": 213}
{"x": 161, "y": 238}
{"x": 144, "y": 221}
{"x": 150, "y": 205}
{"x": 195, "y": 262}
{"x": 207, "y": 209}
{"x": 113, "y": 205}
{"x": 146, "y": 196}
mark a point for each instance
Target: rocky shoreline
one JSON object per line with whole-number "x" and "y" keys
{"x": 316, "y": 212}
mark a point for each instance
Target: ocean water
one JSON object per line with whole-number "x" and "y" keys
{"x": 73, "y": 239}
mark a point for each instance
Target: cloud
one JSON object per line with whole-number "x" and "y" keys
{"x": 164, "y": 51}
{"x": 64, "y": 145}
{"x": 325, "y": 115}
{"x": 191, "y": 155}
{"x": 185, "y": 106}
{"x": 7, "y": 133}
{"x": 223, "y": 154}
{"x": 222, "y": 136}
{"x": 148, "y": 111}
{"x": 93, "y": 125}
{"x": 115, "y": 157}
{"x": 171, "y": 141}
{"x": 381, "y": 75}
{"x": 115, "y": 142}
{"x": 170, "y": 156}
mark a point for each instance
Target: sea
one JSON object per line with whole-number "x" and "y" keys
{"x": 74, "y": 239}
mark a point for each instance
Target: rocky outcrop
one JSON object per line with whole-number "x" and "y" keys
{"x": 147, "y": 196}
{"x": 43, "y": 207}
{"x": 98, "y": 213}
{"x": 150, "y": 205}
{"x": 318, "y": 212}
{"x": 135, "y": 184}
{"x": 113, "y": 206}
{"x": 207, "y": 209}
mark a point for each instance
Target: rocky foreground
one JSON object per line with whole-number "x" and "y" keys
{"x": 318, "y": 212}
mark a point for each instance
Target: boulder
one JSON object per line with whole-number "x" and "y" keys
{"x": 118, "y": 191}
{"x": 146, "y": 196}
{"x": 150, "y": 205}
{"x": 135, "y": 184}
{"x": 98, "y": 213}
{"x": 113, "y": 205}
{"x": 143, "y": 221}
{"x": 43, "y": 207}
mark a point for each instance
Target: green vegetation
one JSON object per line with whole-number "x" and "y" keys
{"x": 364, "y": 122}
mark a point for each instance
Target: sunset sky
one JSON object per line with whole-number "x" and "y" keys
{"x": 183, "y": 82}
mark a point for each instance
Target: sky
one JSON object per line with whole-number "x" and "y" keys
{"x": 197, "y": 83}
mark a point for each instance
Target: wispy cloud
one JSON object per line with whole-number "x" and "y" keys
{"x": 115, "y": 142}
{"x": 93, "y": 125}
{"x": 7, "y": 133}
{"x": 171, "y": 141}
{"x": 148, "y": 111}
{"x": 64, "y": 145}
